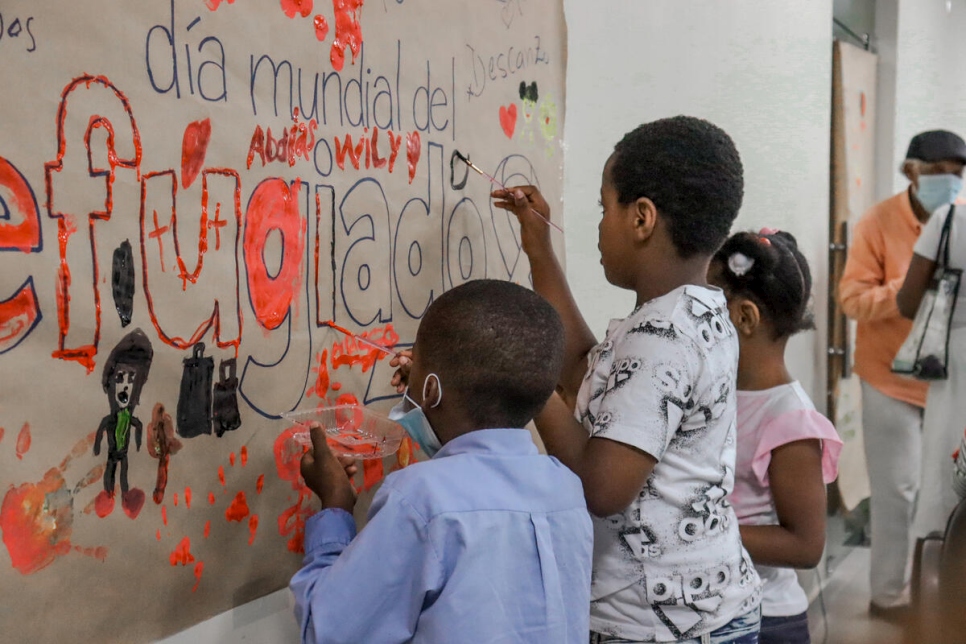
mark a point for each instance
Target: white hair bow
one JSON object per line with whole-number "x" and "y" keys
{"x": 739, "y": 263}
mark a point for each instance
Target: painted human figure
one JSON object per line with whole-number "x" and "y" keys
{"x": 125, "y": 373}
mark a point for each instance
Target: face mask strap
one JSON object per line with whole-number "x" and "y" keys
{"x": 439, "y": 386}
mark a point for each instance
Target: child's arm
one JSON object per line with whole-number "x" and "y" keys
{"x": 549, "y": 279}
{"x": 612, "y": 472}
{"x": 101, "y": 430}
{"x": 369, "y": 588}
{"x": 798, "y": 490}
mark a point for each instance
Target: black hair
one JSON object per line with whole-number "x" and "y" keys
{"x": 778, "y": 279}
{"x": 691, "y": 170}
{"x": 134, "y": 350}
{"x": 497, "y": 344}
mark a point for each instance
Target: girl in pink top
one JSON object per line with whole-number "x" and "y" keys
{"x": 787, "y": 451}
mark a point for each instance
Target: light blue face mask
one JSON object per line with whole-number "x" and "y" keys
{"x": 415, "y": 422}
{"x": 938, "y": 190}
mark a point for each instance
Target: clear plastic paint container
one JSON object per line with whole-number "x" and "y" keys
{"x": 351, "y": 430}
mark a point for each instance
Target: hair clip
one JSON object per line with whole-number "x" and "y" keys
{"x": 740, "y": 264}
{"x": 762, "y": 235}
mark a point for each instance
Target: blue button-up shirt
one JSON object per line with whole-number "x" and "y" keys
{"x": 489, "y": 541}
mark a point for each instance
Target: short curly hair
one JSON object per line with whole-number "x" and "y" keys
{"x": 500, "y": 345}
{"x": 692, "y": 172}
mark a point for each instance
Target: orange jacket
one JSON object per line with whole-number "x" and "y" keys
{"x": 879, "y": 257}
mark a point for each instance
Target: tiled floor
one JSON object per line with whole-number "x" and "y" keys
{"x": 841, "y": 613}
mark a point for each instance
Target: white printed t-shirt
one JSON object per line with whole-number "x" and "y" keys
{"x": 671, "y": 566}
{"x": 768, "y": 419}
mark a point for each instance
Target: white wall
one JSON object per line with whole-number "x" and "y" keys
{"x": 760, "y": 69}
{"x": 930, "y": 73}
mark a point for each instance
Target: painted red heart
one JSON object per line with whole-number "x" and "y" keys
{"x": 508, "y": 119}
{"x": 194, "y": 146}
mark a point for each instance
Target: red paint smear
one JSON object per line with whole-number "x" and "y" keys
{"x": 19, "y": 313}
{"x": 321, "y": 386}
{"x": 350, "y": 352}
{"x": 259, "y": 484}
{"x": 187, "y": 497}
{"x": 175, "y": 499}
{"x": 372, "y": 472}
{"x": 231, "y": 459}
{"x": 207, "y": 529}
{"x": 36, "y": 523}
{"x": 238, "y": 509}
{"x": 164, "y": 514}
{"x": 244, "y": 455}
{"x": 25, "y": 235}
{"x": 348, "y": 32}
{"x": 288, "y": 458}
{"x": 213, "y": 4}
{"x": 182, "y": 553}
{"x": 211, "y": 498}
{"x": 413, "y": 150}
{"x": 292, "y": 522}
{"x": 99, "y": 553}
{"x": 95, "y": 475}
{"x": 199, "y": 568}
{"x": 508, "y": 120}
{"x": 78, "y": 450}
{"x": 336, "y": 386}
{"x": 2, "y": 430}
{"x": 158, "y": 534}
{"x": 23, "y": 441}
{"x": 862, "y": 103}
{"x": 295, "y": 7}
{"x": 252, "y": 528}
{"x": 221, "y": 475}
{"x": 274, "y": 206}
{"x": 348, "y": 399}
{"x": 194, "y": 147}
{"x": 321, "y": 28}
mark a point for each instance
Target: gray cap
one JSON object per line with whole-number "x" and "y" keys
{"x": 937, "y": 145}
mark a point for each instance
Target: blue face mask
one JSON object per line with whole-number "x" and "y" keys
{"x": 938, "y": 190}
{"x": 415, "y": 422}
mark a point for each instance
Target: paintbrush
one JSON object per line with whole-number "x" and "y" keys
{"x": 465, "y": 159}
{"x": 357, "y": 338}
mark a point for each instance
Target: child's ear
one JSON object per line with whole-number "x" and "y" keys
{"x": 644, "y": 214}
{"x": 745, "y": 316}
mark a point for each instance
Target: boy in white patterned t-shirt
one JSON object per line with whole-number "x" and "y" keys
{"x": 654, "y": 437}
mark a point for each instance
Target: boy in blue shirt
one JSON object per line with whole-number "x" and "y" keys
{"x": 488, "y": 540}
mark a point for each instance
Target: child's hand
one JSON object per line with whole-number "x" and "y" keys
{"x": 326, "y": 475}
{"x": 404, "y": 362}
{"x": 525, "y": 202}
